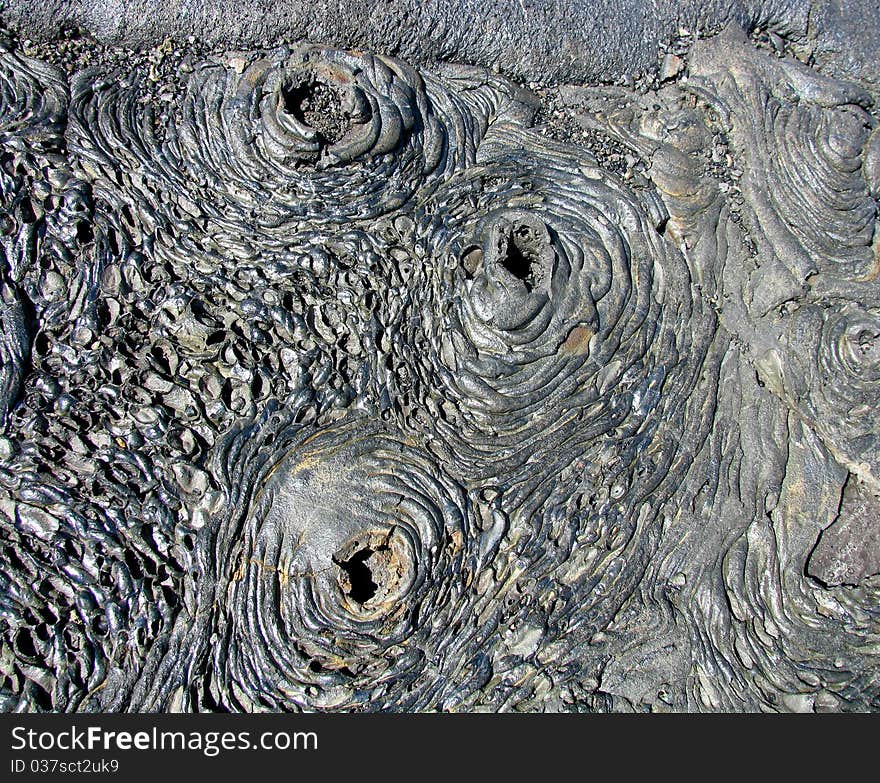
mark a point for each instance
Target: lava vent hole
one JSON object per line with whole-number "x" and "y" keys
{"x": 360, "y": 577}
{"x": 517, "y": 258}
{"x": 319, "y": 106}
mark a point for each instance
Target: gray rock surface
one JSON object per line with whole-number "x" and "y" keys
{"x": 341, "y": 380}
{"x": 535, "y": 40}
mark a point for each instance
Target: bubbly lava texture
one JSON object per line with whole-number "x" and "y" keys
{"x": 330, "y": 383}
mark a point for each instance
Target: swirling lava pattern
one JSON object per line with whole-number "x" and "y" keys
{"x": 567, "y": 300}
{"x": 329, "y": 383}
{"x": 353, "y": 562}
{"x": 238, "y": 150}
{"x": 851, "y": 350}
{"x": 33, "y": 102}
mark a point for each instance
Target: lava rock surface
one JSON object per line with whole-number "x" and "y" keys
{"x": 329, "y": 382}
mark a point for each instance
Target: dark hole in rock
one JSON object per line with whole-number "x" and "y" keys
{"x": 319, "y": 106}
{"x": 25, "y": 644}
{"x": 133, "y": 566}
{"x": 41, "y": 697}
{"x": 26, "y": 211}
{"x": 360, "y": 577}
{"x": 157, "y": 354}
{"x": 84, "y": 232}
{"x": 70, "y": 31}
{"x": 215, "y": 338}
{"x": 516, "y": 257}
{"x": 105, "y": 315}
{"x": 41, "y": 344}
{"x": 112, "y": 242}
{"x": 316, "y": 667}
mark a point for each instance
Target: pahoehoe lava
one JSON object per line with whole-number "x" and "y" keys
{"x": 328, "y": 382}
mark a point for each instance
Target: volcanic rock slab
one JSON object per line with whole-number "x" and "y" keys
{"x": 336, "y": 380}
